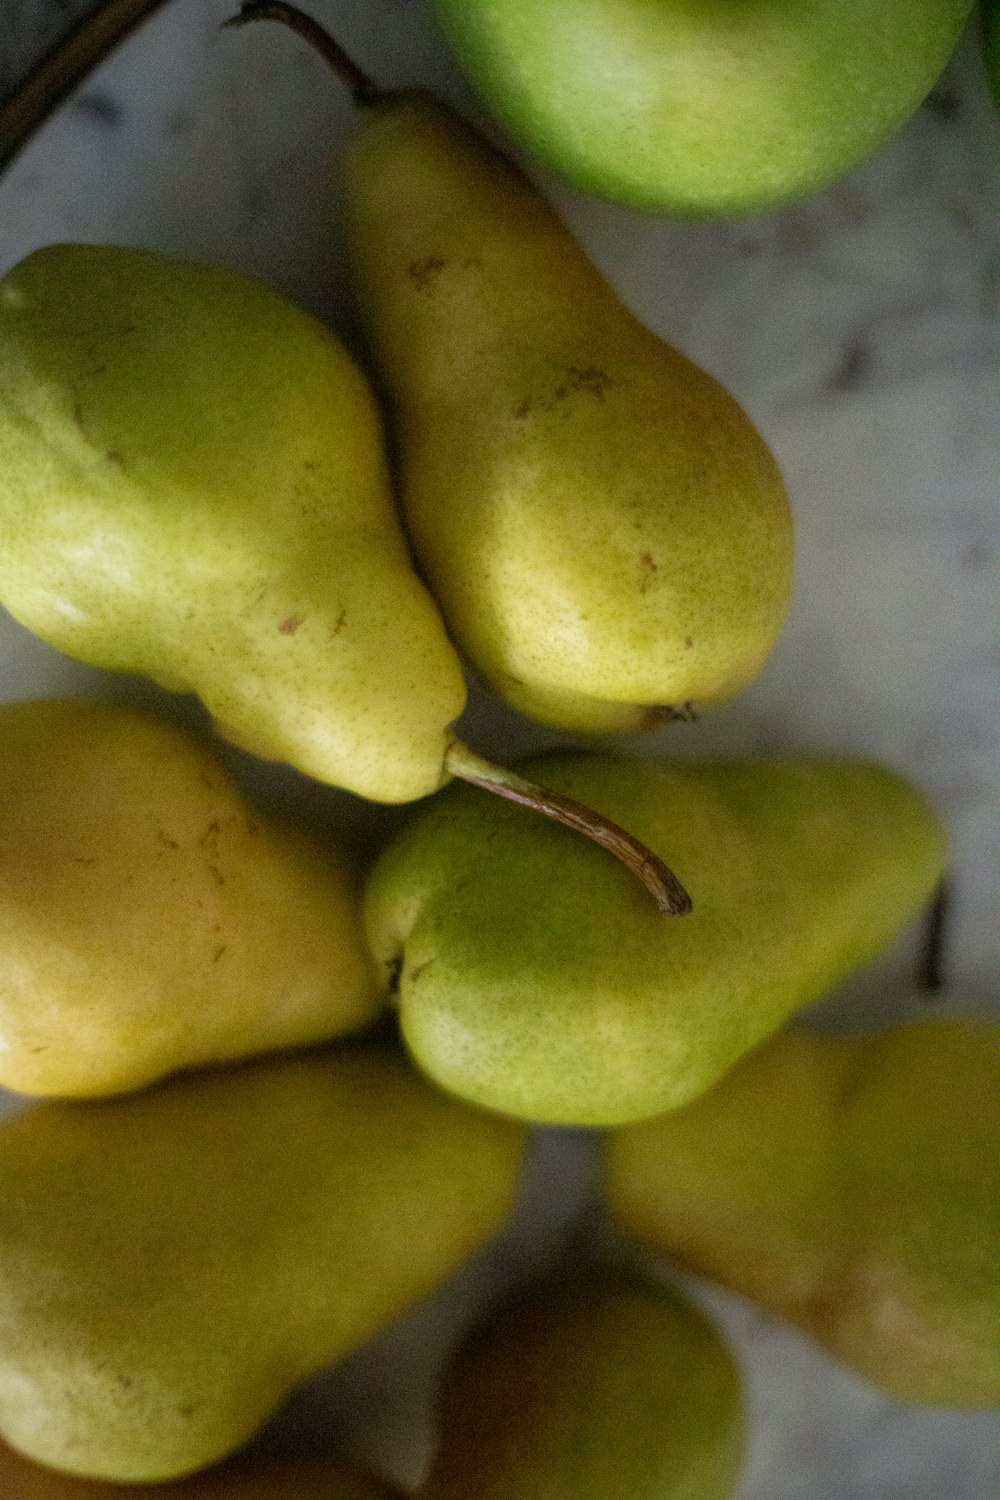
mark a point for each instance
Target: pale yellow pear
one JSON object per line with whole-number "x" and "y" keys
{"x": 851, "y": 1185}
{"x": 193, "y": 487}
{"x": 172, "y": 1263}
{"x": 595, "y": 1387}
{"x": 253, "y": 1477}
{"x": 151, "y": 919}
{"x": 603, "y": 528}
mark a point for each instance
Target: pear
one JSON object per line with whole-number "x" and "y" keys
{"x": 172, "y": 1263}
{"x": 534, "y": 977}
{"x": 850, "y": 1185}
{"x": 599, "y": 1388}
{"x": 193, "y": 487}
{"x": 703, "y": 109}
{"x": 150, "y": 919}
{"x": 604, "y": 530}
{"x": 247, "y": 1478}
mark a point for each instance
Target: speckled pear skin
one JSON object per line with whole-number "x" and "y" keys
{"x": 193, "y": 488}
{"x": 850, "y": 1185}
{"x": 535, "y": 976}
{"x": 247, "y": 1478}
{"x": 173, "y": 1263}
{"x": 596, "y": 1388}
{"x": 703, "y": 109}
{"x": 603, "y": 528}
{"x": 150, "y": 918}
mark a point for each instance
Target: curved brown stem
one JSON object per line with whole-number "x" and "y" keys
{"x": 661, "y": 882}
{"x": 65, "y": 66}
{"x": 363, "y": 89}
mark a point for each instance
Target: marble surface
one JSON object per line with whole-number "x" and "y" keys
{"x": 860, "y": 329}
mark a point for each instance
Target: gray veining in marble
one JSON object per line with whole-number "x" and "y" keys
{"x": 860, "y": 328}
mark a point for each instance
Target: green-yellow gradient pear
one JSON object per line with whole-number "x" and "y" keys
{"x": 850, "y": 1185}
{"x": 535, "y": 977}
{"x": 150, "y": 918}
{"x": 603, "y": 528}
{"x": 172, "y": 1263}
{"x": 193, "y": 487}
{"x": 601, "y": 1388}
{"x": 253, "y": 1477}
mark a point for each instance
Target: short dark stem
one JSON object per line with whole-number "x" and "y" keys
{"x": 930, "y": 973}
{"x": 363, "y": 89}
{"x": 64, "y": 67}
{"x": 661, "y": 882}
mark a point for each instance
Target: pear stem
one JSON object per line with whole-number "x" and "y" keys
{"x": 930, "y": 972}
{"x": 670, "y": 896}
{"x": 65, "y": 66}
{"x": 363, "y": 89}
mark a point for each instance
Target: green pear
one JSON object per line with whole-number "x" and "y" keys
{"x": 708, "y": 107}
{"x": 172, "y": 1263}
{"x": 534, "y": 977}
{"x": 602, "y": 1388}
{"x": 248, "y": 1478}
{"x": 193, "y": 487}
{"x": 850, "y": 1185}
{"x": 604, "y": 530}
{"x": 150, "y": 919}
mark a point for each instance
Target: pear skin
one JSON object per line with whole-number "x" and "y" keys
{"x": 171, "y": 1264}
{"x": 193, "y": 488}
{"x": 850, "y": 1185}
{"x": 150, "y": 918}
{"x": 604, "y": 530}
{"x": 598, "y": 1388}
{"x": 246, "y": 1478}
{"x": 535, "y": 977}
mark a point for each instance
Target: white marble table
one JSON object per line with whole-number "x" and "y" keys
{"x": 860, "y": 329}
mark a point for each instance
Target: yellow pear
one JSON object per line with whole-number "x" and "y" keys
{"x": 851, "y": 1185}
{"x": 171, "y": 1264}
{"x": 605, "y": 532}
{"x": 150, "y": 919}
{"x": 597, "y": 1387}
{"x": 253, "y": 1477}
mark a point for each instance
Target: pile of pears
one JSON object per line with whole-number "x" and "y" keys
{"x": 283, "y": 1094}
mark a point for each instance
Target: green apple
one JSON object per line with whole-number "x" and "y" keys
{"x": 699, "y": 107}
